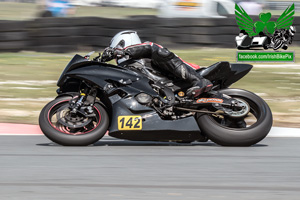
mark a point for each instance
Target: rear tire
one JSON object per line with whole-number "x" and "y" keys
{"x": 233, "y": 136}
{"x": 59, "y": 134}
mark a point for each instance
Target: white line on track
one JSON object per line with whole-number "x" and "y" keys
{"x": 284, "y": 132}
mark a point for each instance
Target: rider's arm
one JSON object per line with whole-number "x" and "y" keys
{"x": 139, "y": 51}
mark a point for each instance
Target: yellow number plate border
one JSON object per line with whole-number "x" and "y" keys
{"x": 130, "y": 122}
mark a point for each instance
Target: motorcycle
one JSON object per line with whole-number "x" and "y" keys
{"x": 282, "y": 38}
{"x": 95, "y": 98}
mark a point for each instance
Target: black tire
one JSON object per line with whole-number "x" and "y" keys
{"x": 285, "y": 47}
{"x": 95, "y": 131}
{"x": 246, "y": 136}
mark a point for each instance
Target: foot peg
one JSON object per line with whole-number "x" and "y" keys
{"x": 196, "y": 90}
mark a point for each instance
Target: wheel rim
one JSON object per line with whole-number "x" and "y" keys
{"x": 57, "y": 124}
{"x": 253, "y": 118}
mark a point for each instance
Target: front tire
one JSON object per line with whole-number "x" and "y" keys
{"x": 239, "y": 134}
{"x": 62, "y": 134}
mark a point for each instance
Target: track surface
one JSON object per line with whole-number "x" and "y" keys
{"x": 34, "y": 168}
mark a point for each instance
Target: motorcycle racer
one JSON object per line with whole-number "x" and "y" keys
{"x": 283, "y": 37}
{"x": 126, "y": 46}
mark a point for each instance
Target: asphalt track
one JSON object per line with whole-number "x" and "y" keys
{"x": 32, "y": 167}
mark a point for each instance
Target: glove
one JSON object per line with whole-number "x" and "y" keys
{"x": 112, "y": 53}
{"x": 119, "y": 53}
{"x": 107, "y": 55}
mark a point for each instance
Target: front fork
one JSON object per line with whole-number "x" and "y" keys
{"x": 84, "y": 102}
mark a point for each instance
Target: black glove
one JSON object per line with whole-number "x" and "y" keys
{"x": 112, "y": 53}
{"x": 119, "y": 53}
{"x": 107, "y": 55}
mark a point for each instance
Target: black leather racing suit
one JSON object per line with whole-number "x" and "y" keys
{"x": 162, "y": 58}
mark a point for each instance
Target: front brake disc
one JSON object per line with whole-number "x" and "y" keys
{"x": 67, "y": 119}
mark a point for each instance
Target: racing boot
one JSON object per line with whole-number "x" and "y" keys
{"x": 203, "y": 85}
{"x": 183, "y": 70}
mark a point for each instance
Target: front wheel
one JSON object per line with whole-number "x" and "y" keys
{"x": 244, "y": 131}
{"x": 62, "y": 127}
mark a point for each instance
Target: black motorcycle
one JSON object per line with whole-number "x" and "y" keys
{"x": 282, "y": 38}
{"x": 142, "y": 105}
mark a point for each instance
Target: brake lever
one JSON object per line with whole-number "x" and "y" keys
{"x": 98, "y": 58}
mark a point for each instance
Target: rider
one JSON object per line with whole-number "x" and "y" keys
{"x": 126, "y": 45}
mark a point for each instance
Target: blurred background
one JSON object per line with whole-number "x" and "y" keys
{"x": 38, "y": 38}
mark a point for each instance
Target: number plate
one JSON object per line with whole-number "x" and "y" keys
{"x": 128, "y": 123}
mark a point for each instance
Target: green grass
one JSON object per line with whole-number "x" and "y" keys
{"x": 21, "y": 99}
{"x": 18, "y": 11}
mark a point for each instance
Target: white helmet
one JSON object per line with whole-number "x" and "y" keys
{"x": 124, "y": 39}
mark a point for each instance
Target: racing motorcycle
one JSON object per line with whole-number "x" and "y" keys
{"x": 282, "y": 38}
{"x": 95, "y": 98}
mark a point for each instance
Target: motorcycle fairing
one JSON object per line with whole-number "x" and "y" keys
{"x": 238, "y": 72}
{"x": 80, "y": 65}
{"x": 154, "y": 128}
{"x": 223, "y": 74}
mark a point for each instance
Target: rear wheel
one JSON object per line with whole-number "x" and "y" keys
{"x": 240, "y": 131}
{"x": 62, "y": 127}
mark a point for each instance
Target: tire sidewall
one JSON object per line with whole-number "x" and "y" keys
{"x": 72, "y": 140}
{"x": 238, "y": 137}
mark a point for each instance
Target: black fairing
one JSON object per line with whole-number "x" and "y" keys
{"x": 97, "y": 73}
{"x": 223, "y": 74}
{"x": 154, "y": 128}
{"x": 239, "y": 71}
{"x": 79, "y": 67}
{"x": 77, "y": 61}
